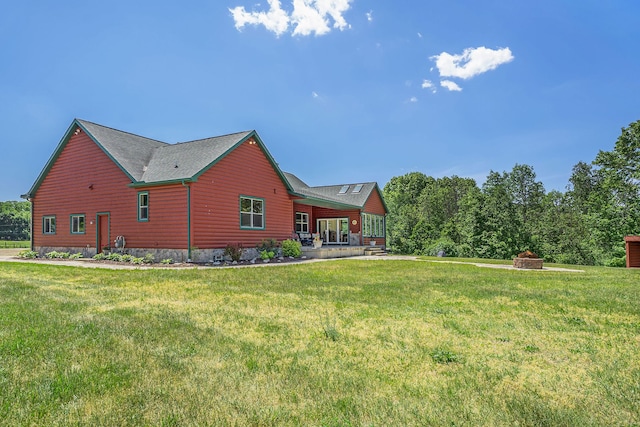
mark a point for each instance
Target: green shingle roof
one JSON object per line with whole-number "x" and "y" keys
{"x": 131, "y": 152}
{"x": 147, "y": 162}
{"x": 331, "y": 193}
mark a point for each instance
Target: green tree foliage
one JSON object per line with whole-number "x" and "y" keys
{"x": 511, "y": 212}
{"x": 14, "y": 220}
{"x": 423, "y": 211}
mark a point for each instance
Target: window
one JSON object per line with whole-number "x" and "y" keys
{"x": 358, "y": 188}
{"x": 49, "y": 225}
{"x": 373, "y": 225}
{"x": 344, "y": 189}
{"x": 143, "y": 206}
{"x": 251, "y": 212}
{"x": 77, "y": 224}
{"x": 302, "y": 222}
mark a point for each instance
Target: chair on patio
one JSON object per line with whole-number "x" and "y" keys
{"x": 305, "y": 239}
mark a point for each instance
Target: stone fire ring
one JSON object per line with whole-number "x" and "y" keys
{"x": 528, "y": 263}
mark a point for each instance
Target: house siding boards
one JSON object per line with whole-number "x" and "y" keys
{"x": 193, "y": 189}
{"x": 215, "y": 200}
{"x": 324, "y": 213}
{"x": 168, "y": 223}
{"x": 375, "y": 205}
{"x": 65, "y": 191}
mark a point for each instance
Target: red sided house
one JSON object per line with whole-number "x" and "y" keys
{"x": 103, "y": 188}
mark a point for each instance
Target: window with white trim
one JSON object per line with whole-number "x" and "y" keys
{"x": 251, "y": 212}
{"x": 302, "y": 222}
{"x": 77, "y": 224}
{"x": 49, "y": 225}
{"x": 373, "y": 225}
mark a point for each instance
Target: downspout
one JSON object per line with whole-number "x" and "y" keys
{"x": 188, "y": 220}
{"x": 31, "y": 223}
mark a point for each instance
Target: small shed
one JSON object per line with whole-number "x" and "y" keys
{"x": 632, "y": 246}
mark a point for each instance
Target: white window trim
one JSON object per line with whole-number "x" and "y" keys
{"x": 303, "y": 222}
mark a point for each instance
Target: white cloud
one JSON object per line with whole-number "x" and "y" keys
{"x": 307, "y": 17}
{"x": 452, "y": 86}
{"x": 314, "y": 94}
{"x": 413, "y": 99}
{"x": 471, "y": 62}
{"x": 275, "y": 20}
{"x": 369, "y": 16}
{"x": 420, "y": 35}
{"x": 428, "y": 84}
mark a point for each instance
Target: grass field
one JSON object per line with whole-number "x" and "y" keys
{"x": 345, "y": 343}
{"x": 11, "y": 244}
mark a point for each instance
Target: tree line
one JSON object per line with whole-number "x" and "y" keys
{"x": 14, "y": 220}
{"x": 511, "y": 212}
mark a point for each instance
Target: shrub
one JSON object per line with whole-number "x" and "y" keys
{"x": 267, "y": 255}
{"x": 291, "y": 248}
{"x": 616, "y": 262}
{"x": 77, "y": 255}
{"x": 100, "y": 257}
{"x": 149, "y": 259}
{"x": 269, "y": 245}
{"x": 233, "y": 251}
{"x": 137, "y": 260}
{"x": 127, "y": 258}
{"x": 166, "y": 261}
{"x": 57, "y": 255}
{"x": 443, "y": 244}
{"x": 114, "y": 257}
{"x": 29, "y": 254}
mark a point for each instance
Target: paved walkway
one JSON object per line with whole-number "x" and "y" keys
{"x": 506, "y": 266}
{"x": 10, "y": 255}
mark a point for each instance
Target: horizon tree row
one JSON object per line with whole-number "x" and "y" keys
{"x": 511, "y": 212}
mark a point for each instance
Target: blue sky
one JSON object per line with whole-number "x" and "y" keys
{"x": 340, "y": 91}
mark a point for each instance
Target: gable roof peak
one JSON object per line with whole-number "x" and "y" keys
{"x": 84, "y": 123}
{"x": 233, "y": 135}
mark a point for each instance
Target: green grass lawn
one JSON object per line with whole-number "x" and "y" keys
{"x": 344, "y": 343}
{"x": 11, "y": 244}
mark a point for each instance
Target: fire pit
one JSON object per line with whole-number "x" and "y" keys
{"x": 527, "y": 260}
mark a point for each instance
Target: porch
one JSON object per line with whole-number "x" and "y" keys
{"x": 325, "y": 252}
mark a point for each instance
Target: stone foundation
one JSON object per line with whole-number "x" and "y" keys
{"x": 528, "y": 263}
{"x": 177, "y": 255}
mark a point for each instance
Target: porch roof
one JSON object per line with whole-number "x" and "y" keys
{"x": 343, "y": 196}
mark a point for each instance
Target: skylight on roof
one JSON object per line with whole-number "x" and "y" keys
{"x": 344, "y": 189}
{"x": 357, "y": 188}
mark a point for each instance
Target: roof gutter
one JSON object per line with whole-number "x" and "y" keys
{"x": 188, "y": 187}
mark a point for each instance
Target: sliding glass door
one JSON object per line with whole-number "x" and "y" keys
{"x": 334, "y": 231}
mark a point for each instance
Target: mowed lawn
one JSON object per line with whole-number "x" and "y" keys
{"x": 342, "y": 343}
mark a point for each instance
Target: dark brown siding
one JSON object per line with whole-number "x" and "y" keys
{"x": 633, "y": 254}
{"x": 84, "y": 180}
{"x": 215, "y": 200}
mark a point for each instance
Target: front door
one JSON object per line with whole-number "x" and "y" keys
{"x": 103, "y": 232}
{"x": 334, "y": 231}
